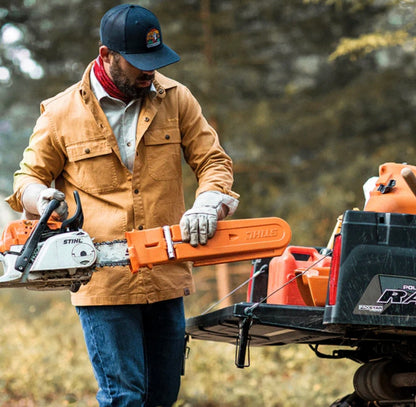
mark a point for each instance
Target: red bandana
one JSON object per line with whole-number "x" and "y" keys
{"x": 107, "y": 83}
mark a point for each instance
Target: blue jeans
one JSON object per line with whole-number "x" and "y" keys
{"x": 136, "y": 352}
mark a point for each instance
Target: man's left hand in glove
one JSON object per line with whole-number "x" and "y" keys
{"x": 199, "y": 223}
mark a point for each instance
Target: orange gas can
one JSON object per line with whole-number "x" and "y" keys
{"x": 282, "y": 286}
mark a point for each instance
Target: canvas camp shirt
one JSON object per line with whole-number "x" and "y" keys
{"x": 74, "y": 146}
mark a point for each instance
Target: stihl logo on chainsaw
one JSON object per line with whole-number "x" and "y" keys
{"x": 258, "y": 234}
{"x": 72, "y": 241}
{"x": 396, "y": 296}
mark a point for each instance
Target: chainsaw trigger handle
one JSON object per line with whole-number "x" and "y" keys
{"x": 22, "y": 261}
{"x": 53, "y": 204}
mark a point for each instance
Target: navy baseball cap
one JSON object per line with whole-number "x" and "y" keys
{"x": 134, "y": 32}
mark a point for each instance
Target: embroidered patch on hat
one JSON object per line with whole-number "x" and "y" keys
{"x": 153, "y": 38}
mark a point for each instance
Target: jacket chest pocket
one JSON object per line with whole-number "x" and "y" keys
{"x": 92, "y": 166}
{"x": 163, "y": 154}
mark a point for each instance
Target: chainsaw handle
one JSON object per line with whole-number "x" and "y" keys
{"x": 77, "y": 220}
{"x": 31, "y": 244}
{"x": 53, "y": 204}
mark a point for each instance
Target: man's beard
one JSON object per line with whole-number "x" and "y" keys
{"x": 132, "y": 91}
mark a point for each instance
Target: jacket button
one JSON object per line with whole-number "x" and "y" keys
{"x": 140, "y": 227}
{"x": 167, "y": 137}
{"x": 87, "y": 151}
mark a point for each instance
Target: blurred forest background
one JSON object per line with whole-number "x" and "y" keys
{"x": 309, "y": 98}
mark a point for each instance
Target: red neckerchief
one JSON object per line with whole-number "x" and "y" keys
{"x": 106, "y": 82}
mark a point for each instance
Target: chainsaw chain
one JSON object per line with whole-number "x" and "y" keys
{"x": 112, "y": 263}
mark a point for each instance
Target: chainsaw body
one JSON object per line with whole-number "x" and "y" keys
{"x": 47, "y": 255}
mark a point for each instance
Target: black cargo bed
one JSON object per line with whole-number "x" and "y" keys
{"x": 269, "y": 325}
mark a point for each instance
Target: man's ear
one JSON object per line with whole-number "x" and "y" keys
{"x": 104, "y": 53}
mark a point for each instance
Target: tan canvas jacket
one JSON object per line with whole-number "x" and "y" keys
{"x": 73, "y": 145}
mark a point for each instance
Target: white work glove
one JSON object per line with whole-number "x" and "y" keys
{"x": 200, "y": 223}
{"x": 36, "y": 198}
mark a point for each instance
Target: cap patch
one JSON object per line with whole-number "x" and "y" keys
{"x": 153, "y": 38}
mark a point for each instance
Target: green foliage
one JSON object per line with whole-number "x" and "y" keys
{"x": 368, "y": 43}
{"x": 305, "y": 124}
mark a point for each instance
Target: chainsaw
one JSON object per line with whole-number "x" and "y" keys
{"x": 48, "y": 255}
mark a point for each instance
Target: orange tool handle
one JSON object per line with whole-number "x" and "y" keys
{"x": 234, "y": 240}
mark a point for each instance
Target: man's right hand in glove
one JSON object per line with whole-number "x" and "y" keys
{"x": 36, "y": 198}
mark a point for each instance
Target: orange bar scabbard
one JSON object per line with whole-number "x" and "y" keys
{"x": 234, "y": 240}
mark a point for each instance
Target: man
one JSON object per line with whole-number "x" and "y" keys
{"x": 116, "y": 137}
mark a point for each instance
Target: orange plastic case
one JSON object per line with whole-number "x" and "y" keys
{"x": 399, "y": 198}
{"x": 308, "y": 289}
